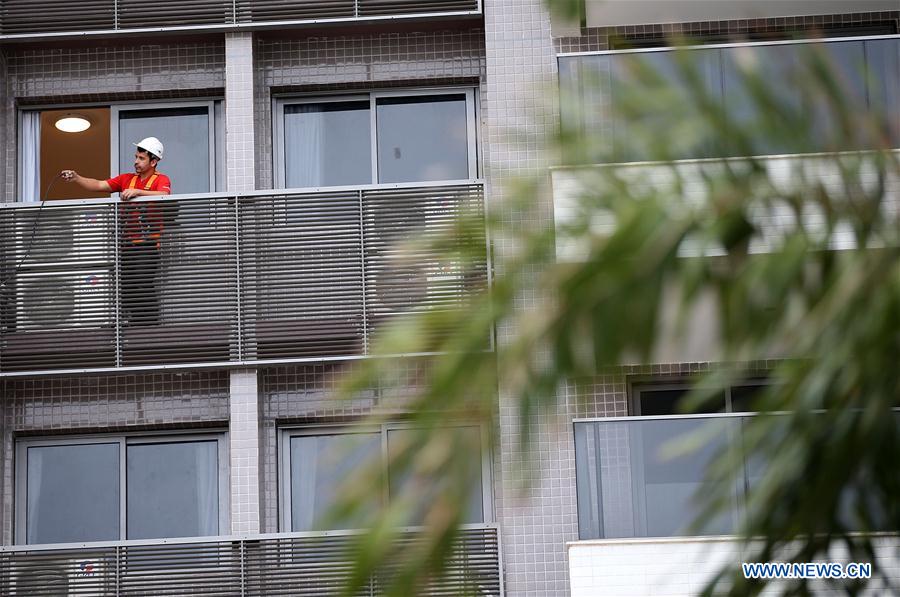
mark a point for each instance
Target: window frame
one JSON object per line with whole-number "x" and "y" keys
{"x": 473, "y": 136}
{"x": 114, "y": 119}
{"x": 215, "y": 112}
{"x": 123, "y": 440}
{"x": 286, "y": 433}
{"x": 639, "y": 385}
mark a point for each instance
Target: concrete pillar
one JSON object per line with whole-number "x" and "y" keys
{"x": 245, "y": 453}
{"x": 240, "y": 152}
{"x": 521, "y": 67}
{"x": 244, "y": 428}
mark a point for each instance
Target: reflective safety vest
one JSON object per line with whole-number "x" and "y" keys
{"x": 143, "y": 220}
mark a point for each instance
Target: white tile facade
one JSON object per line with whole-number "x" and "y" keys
{"x": 537, "y": 519}
{"x": 240, "y": 153}
{"x": 245, "y": 452}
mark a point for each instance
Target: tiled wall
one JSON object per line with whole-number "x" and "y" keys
{"x": 536, "y": 520}
{"x": 363, "y": 61}
{"x": 149, "y": 71}
{"x": 65, "y": 405}
{"x": 245, "y": 452}
{"x": 239, "y": 117}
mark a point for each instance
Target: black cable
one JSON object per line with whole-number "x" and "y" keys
{"x": 33, "y": 232}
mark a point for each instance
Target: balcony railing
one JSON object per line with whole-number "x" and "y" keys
{"x": 636, "y": 477}
{"x": 260, "y": 277}
{"x": 40, "y": 18}
{"x": 287, "y": 564}
{"x": 598, "y": 91}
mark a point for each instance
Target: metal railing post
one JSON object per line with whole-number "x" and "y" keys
{"x": 119, "y": 570}
{"x": 238, "y": 286}
{"x": 362, "y": 259}
{"x": 243, "y": 557}
{"x": 117, "y": 286}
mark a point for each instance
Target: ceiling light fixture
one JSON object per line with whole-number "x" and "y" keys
{"x": 73, "y": 123}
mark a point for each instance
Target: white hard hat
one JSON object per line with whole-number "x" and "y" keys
{"x": 151, "y": 144}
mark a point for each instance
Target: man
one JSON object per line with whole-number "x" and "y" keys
{"x": 142, "y": 224}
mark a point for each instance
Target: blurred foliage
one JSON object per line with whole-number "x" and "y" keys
{"x": 801, "y": 258}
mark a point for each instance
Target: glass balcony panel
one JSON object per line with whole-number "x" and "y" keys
{"x": 753, "y": 79}
{"x": 638, "y": 478}
{"x": 605, "y": 99}
{"x": 682, "y": 80}
{"x": 883, "y": 79}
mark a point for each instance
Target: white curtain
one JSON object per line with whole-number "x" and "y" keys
{"x": 35, "y": 466}
{"x": 304, "y": 135}
{"x": 207, "y": 467}
{"x": 31, "y": 156}
{"x": 304, "y": 470}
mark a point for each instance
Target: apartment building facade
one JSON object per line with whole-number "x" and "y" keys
{"x": 300, "y": 138}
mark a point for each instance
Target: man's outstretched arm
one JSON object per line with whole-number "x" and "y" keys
{"x": 90, "y": 184}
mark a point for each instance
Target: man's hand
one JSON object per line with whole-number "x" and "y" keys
{"x": 127, "y": 194}
{"x": 91, "y": 184}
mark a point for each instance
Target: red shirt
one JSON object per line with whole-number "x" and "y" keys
{"x": 143, "y": 221}
{"x": 122, "y": 181}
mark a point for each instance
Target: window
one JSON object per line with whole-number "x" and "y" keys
{"x": 380, "y": 137}
{"x": 124, "y": 487}
{"x": 656, "y": 399}
{"x": 190, "y": 131}
{"x": 316, "y": 461}
{"x": 633, "y": 479}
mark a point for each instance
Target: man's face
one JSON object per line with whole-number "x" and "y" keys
{"x": 142, "y": 162}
